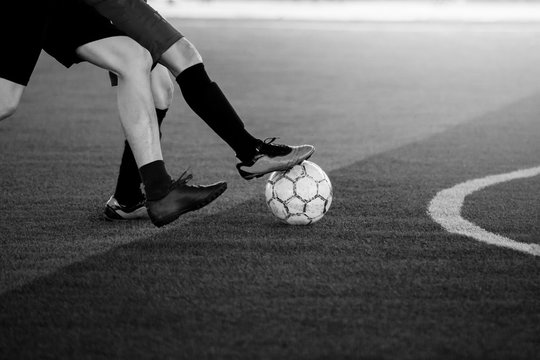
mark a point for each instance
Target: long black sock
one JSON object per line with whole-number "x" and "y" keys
{"x": 128, "y": 186}
{"x": 208, "y": 101}
{"x": 156, "y": 180}
{"x": 161, "y": 113}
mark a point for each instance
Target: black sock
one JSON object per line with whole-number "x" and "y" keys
{"x": 156, "y": 180}
{"x": 128, "y": 186}
{"x": 208, "y": 101}
{"x": 161, "y": 113}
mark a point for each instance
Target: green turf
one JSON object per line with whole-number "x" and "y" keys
{"x": 376, "y": 278}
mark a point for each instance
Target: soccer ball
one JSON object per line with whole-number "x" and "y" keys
{"x": 300, "y": 195}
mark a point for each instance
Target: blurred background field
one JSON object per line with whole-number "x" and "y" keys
{"x": 356, "y": 10}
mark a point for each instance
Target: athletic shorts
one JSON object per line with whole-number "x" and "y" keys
{"x": 145, "y": 24}
{"x": 139, "y": 21}
{"x": 57, "y": 26}
{"x": 22, "y": 27}
{"x": 27, "y": 38}
{"x": 73, "y": 25}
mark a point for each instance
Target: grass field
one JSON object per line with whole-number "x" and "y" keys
{"x": 397, "y": 113}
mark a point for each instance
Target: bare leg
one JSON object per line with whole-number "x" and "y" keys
{"x": 132, "y": 64}
{"x": 180, "y": 56}
{"x": 10, "y": 96}
{"x": 162, "y": 87}
{"x": 128, "y": 195}
{"x": 206, "y": 98}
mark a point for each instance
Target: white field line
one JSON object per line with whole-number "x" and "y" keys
{"x": 445, "y": 209}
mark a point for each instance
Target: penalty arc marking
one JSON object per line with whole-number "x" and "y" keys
{"x": 445, "y": 209}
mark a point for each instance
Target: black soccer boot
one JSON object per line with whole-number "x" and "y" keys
{"x": 182, "y": 198}
{"x": 271, "y": 157}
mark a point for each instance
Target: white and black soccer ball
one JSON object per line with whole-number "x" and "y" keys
{"x": 300, "y": 195}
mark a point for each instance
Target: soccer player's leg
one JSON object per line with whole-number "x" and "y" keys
{"x": 132, "y": 64}
{"x": 128, "y": 201}
{"x": 257, "y": 157}
{"x": 10, "y": 97}
{"x": 138, "y": 20}
{"x": 162, "y": 87}
{"x": 165, "y": 200}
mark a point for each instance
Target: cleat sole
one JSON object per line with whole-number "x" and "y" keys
{"x": 111, "y": 214}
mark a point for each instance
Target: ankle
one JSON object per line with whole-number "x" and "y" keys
{"x": 156, "y": 180}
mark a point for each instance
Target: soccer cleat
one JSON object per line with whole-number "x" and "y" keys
{"x": 115, "y": 211}
{"x": 182, "y": 198}
{"x": 271, "y": 157}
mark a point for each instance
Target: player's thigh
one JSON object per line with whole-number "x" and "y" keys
{"x": 119, "y": 54}
{"x": 141, "y": 22}
{"x": 162, "y": 87}
{"x": 10, "y": 97}
{"x": 79, "y": 33}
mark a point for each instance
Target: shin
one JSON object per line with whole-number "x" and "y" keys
{"x": 132, "y": 64}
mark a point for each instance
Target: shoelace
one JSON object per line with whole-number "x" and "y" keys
{"x": 269, "y": 147}
{"x": 183, "y": 179}
{"x": 270, "y": 140}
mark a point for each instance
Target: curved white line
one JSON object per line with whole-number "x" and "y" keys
{"x": 445, "y": 209}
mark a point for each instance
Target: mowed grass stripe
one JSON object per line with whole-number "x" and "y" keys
{"x": 376, "y": 278}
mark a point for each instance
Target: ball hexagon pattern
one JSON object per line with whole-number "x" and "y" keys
{"x": 300, "y": 195}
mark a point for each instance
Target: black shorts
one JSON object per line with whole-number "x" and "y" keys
{"x": 152, "y": 31}
{"x": 141, "y": 22}
{"x": 23, "y": 34}
{"x": 56, "y": 26}
{"x": 60, "y": 26}
{"x": 73, "y": 25}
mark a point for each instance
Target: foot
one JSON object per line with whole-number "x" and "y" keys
{"x": 271, "y": 157}
{"x": 182, "y": 198}
{"x": 114, "y": 211}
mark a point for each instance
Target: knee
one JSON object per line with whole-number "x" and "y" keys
{"x": 8, "y": 107}
{"x": 181, "y": 56}
{"x": 190, "y": 53}
{"x": 162, "y": 88}
{"x": 10, "y": 96}
{"x": 164, "y": 96}
{"x": 135, "y": 60}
